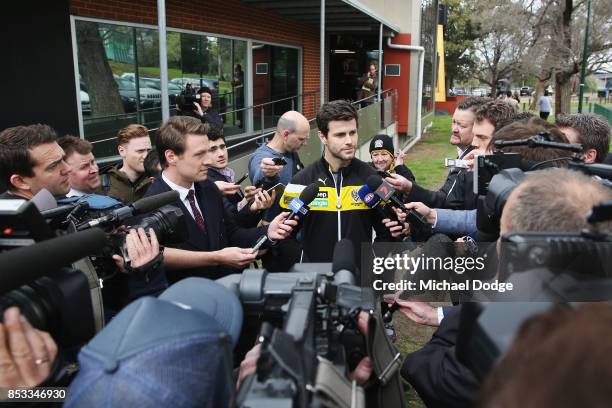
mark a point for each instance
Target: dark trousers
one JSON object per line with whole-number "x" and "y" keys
{"x": 544, "y": 115}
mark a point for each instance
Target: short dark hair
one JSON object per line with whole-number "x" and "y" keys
{"x": 150, "y": 163}
{"x": 335, "y": 110}
{"x": 71, "y": 144}
{"x": 524, "y": 129}
{"x": 472, "y": 103}
{"x": 593, "y": 131}
{"x": 522, "y": 116}
{"x": 15, "y": 146}
{"x": 495, "y": 112}
{"x": 214, "y": 133}
{"x": 172, "y": 134}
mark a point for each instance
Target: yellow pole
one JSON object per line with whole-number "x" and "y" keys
{"x": 441, "y": 79}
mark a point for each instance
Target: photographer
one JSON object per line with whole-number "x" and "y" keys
{"x": 550, "y": 200}
{"x": 203, "y": 109}
{"x": 31, "y": 160}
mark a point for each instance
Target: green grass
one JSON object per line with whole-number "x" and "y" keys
{"x": 426, "y": 158}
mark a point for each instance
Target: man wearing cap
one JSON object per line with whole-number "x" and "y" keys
{"x": 383, "y": 158}
{"x": 171, "y": 351}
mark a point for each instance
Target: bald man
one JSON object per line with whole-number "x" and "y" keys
{"x": 291, "y": 134}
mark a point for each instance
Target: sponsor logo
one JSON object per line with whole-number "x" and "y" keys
{"x": 322, "y": 194}
{"x": 320, "y": 203}
{"x": 322, "y": 180}
{"x": 369, "y": 197}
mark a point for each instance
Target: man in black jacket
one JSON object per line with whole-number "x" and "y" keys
{"x": 247, "y": 207}
{"x": 337, "y": 212}
{"x": 461, "y": 137}
{"x": 183, "y": 149}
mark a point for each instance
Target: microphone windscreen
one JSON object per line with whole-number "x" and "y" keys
{"x": 148, "y": 204}
{"x": 309, "y": 193}
{"x": 368, "y": 197}
{"x": 344, "y": 256}
{"x": 374, "y": 181}
{"x": 26, "y": 264}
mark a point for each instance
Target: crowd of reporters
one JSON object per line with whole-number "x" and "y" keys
{"x": 223, "y": 222}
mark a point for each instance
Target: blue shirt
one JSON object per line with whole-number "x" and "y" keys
{"x": 255, "y": 173}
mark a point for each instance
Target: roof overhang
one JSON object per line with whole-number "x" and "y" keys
{"x": 341, "y": 16}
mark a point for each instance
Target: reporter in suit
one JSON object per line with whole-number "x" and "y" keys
{"x": 215, "y": 244}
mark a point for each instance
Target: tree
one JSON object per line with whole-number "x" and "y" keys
{"x": 96, "y": 72}
{"x": 502, "y": 38}
{"x": 459, "y": 35}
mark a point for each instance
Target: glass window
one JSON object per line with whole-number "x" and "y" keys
{"x": 279, "y": 82}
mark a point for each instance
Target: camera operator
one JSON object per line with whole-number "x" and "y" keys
{"x": 127, "y": 181}
{"x": 31, "y": 160}
{"x": 589, "y": 130}
{"x": 84, "y": 176}
{"x": 184, "y": 153}
{"x": 248, "y": 207}
{"x": 550, "y": 200}
{"x": 203, "y": 110}
{"x": 27, "y": 355}
{"x": 459, "y": 223}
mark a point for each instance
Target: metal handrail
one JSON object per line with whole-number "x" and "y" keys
{"x": 259, "y": 136}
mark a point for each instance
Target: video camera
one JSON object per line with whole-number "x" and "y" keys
{"x": 496, "y": 176}
{"x": 305, "y": 359}
{"x": 186, "y": 99}
{"x": 162, "y": 217}
{"x": 37, "y": 277}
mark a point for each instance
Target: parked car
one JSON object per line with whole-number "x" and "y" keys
{"x": 129, "y": 103}
{"x": 212, "y": 84}
{"x": 85, "y": 105}
{"x": 155, "y": 83}
{"x": 149, "y": 97}
{"x": 525, "y": 91}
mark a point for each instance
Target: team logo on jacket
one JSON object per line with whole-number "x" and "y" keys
{"x": 355, "y": 195}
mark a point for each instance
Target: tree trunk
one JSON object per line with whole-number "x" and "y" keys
{"x": 539, "y": 91}
{"x": 96, "y": 72}
{"x": 563, "y": 93}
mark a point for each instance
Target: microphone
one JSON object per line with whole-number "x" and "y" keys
{"x": 368, "y": 197}
{"x": 298, "y": 206}
{"x": 26, "y": 264}
{"x": 142, "y": 206}
{"x": 386, "y": 193}
{"x": 343, "y": 262}
{"x": 372, "y": 200}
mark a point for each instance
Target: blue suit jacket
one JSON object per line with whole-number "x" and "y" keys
{"x": 221, "y": 229}
{"x": 456, "y": 222}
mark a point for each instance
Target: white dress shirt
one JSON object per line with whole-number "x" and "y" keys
{"x": 183, "y": 194}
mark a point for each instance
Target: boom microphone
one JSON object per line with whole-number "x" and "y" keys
{"x": 26, "y": 264}
{"x": 142, "y": 206}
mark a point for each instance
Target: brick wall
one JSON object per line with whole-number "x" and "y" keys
{"x": 229, "y": 17}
